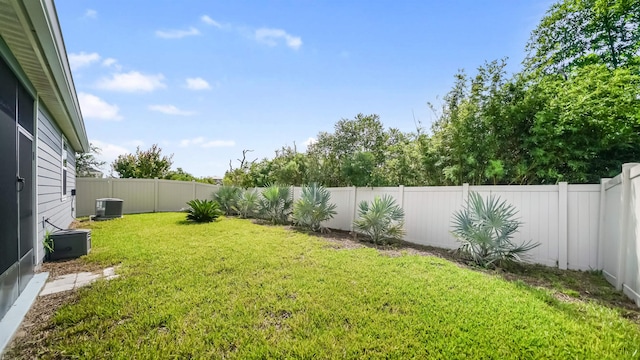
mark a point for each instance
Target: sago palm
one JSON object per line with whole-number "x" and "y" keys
{"x": 382, "y": 220}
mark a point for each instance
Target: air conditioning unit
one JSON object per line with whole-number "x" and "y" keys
{"x": 69, "y": 244}
{"x": 108, "y": 208}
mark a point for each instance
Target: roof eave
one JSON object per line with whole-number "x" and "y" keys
{"x": 40, "y": 23}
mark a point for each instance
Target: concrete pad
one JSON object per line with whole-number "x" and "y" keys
{"x": 65, "y": 279}
{"x": 110, "y": 271}
{"x": 13, "y": 318}
{"x": 52, "y": 288}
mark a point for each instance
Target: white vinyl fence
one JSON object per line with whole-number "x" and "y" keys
{"x": 582, "y": 227}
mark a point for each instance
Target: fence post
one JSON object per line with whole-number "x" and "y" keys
{"x": 625, "y": 231}
{"x": 465, "y": 193}
{"x": 401, "y": 196}
{"x": 563, "y": 217}
{"x": 155, "y": 194}
{"x": 111, "y": 187}
{"x": 194, "y": 189}
{"x": 603, "y": 207}
{"x": 355, "y": 206}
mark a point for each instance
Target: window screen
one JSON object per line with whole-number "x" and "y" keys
{"x": 25, "y": 109}
{"x": 8, "y": 83}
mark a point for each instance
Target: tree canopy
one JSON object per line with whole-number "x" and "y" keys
{"x": 571, "y": 114}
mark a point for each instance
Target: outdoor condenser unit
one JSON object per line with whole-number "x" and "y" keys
{"x": 70, "y": 244}
{"x": 108, "y": 208}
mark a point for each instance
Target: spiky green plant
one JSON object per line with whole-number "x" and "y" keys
{"x": 382, "y": 220}
{"x": 485, "y": 229}
{"x": 275, "y": 204}
{"x": 313, "y": 207}
{"x": 203, "y": 210}
{"x": 227, "y": 197}
{"x": 247, "y": 204}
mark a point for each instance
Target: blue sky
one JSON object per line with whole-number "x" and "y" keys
{"x": 207, "y": 79}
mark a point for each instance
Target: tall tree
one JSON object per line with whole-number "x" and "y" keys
{"x": 87, "y": 165}
{"x": 575, "y": 33}
{"x": 146, "y": 164}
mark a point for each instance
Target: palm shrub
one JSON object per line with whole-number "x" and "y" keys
{"x": 203, "y": 210}
{"x": 313, "y": 207}
{"x": 247, "y": 204}
{"x": 275, "y": 204}
{"x": 485, "y": 229}
{"x": 227, "y": 197}
{"x": 382, "y": 219}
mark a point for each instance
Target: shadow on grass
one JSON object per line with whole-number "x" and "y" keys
{"x": 189, "y": 222}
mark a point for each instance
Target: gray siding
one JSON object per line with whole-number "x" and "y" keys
{"x": 52, "y": 205}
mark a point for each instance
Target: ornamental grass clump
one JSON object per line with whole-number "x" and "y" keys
{"x": 485, "y": 229}
{"x": 203, "y": 210}
{"x": 382, "y": 220}
{"x": 313, "y": 208}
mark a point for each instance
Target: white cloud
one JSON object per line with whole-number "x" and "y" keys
{"x": 272, "y": 36}
{"x": 96, "y": 108}
{"x": 310, "y": 141}
{"x": 209, "y": 21}
{"x": 202, "y": 142}
{"x": 177, "y": 34}
{"x": 189, "y": 142}
{"x": 132, "y": 81}
{"x": 135, "y": 143}
{"x": 197, "y": 84}
{"x": 108, "y": 152}
{"x": 170, "y": 110}
{"x": 82, "y": 59}
{"x": 90, "y": 13}
{"x": 219, "y": 143}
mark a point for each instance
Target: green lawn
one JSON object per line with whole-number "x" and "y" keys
{"x": 233, "y": 289}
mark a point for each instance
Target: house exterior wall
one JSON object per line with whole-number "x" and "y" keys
{"x": 55, "y": 209}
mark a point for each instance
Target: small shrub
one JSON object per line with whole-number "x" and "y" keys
{"x": 203, "y": 210}
{"x": 313, "y": 207}
{"x": 382, "y": 220}
{"x": 247, "y": 204}
{"x": 275, "y": 204}
{"x": 227, "y": 197}
{"x": 485, "y": 229}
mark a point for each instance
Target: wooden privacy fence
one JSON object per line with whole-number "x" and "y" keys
{"x": 581, "y": 227}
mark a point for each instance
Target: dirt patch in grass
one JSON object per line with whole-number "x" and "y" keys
{"x": 63, "y": 267}
{"x": 30, "y": 340}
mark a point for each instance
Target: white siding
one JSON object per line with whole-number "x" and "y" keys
{"x": 51, "y": 205}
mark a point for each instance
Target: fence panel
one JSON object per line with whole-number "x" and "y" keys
{"x": 205, "y": 191}
{"x": 428, "y": 213}
{"x": 583, "y": 226}
{"x": 137, "y": 194}
{"x": 87, "y": 191}
{"x": 343, "y": 198}
{"x": 173, "y": 195}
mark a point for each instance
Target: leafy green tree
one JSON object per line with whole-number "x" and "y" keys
{"x": 589, "y": 127}
{"x": 575, "y": 33}
{"x": 147, "y": 164}
{"x": 87, "y": 165}
{"x": 181, "y": 175}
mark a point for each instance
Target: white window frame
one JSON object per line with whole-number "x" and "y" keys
{"x": 64, "y": 171}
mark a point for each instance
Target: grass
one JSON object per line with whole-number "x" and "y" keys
{"x": 233, "y": 289}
